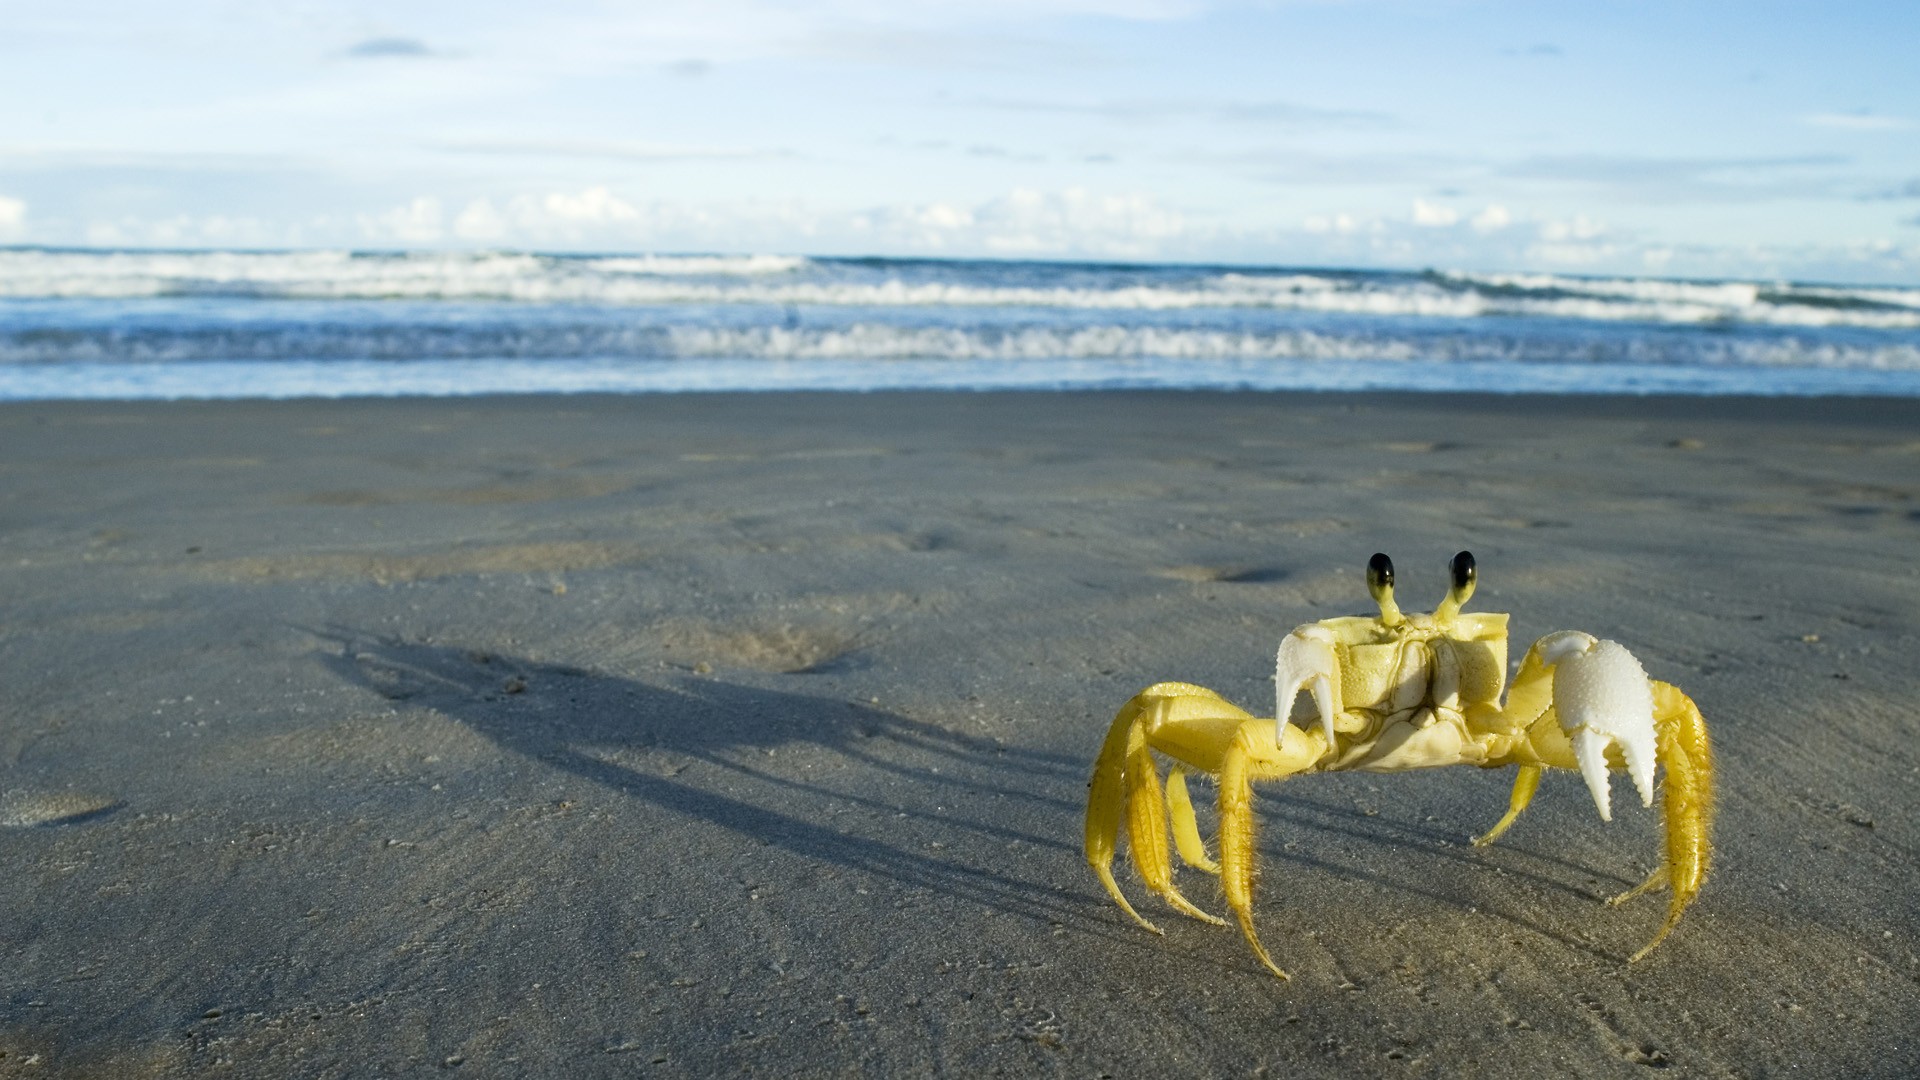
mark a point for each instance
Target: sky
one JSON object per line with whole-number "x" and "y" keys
{"x": 1683, "y": 139}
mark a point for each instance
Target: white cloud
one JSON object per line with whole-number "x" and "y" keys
{"x": 1494, "y": 218}
{"x": 1579, "y": 227}
{"x": 1330, "y": 223}
{"x": 480, "y": 221}
{"x": 1069, "y": 222}
{"x": 417, "y": 222}
{"x": 186, "y": 230}
{"x": 1432, "y": 215}
{"x": 13, "y": 216}
{"x": 594, "y": 206}
{"x": 1074, "y": 221}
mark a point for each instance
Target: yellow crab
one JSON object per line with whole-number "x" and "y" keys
{"x": 1401, "y": 691}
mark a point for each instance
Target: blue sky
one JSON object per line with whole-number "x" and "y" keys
{"x": 1686, "y": 139}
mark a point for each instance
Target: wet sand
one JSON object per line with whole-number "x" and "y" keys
{"x": 717, "y": 734}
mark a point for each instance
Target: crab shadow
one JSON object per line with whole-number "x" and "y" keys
{"x": 712, "y": 750}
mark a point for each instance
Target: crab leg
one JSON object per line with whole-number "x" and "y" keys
{"x": 1687, "y": 756}
{"x": 1255, "y": 754}
{"x": 1186, "y": 831}
{"x": 1126, "y": 783}
{"x": 1237, "y": 844}
{"x": 1147, "y": 826}
{"x": 1524, "y": 785}
{"x": 1106, "y": 799}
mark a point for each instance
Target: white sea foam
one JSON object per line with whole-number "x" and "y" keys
{"x": 699, "y": 340}
{"x": 791, "y": 281}
{"x": 702, "y": 265}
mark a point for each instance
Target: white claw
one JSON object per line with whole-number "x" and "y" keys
{"x": 1604, "y": 699}
{"x": 1590, "y": 750}
{"x": 1306, "y": 661}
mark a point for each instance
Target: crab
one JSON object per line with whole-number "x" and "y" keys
{"x": 1391, "y": 692}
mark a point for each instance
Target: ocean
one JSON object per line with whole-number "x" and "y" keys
{"x": 230, "y": 324}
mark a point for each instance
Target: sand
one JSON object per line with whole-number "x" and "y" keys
{"x": 709, "y": 735}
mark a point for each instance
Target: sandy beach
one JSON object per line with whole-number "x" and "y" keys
{"x": 749, "y": 734}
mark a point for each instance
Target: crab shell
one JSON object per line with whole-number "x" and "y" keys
{"x": 1399, "y": 683}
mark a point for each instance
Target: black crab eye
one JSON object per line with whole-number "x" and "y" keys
{"x": 1379, "y": 574}
{"x": 1464, "y": 573}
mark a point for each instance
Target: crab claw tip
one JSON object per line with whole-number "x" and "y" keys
{"x": 1590, "y": 750}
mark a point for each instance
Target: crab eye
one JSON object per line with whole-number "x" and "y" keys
{"x": 1464, "y": 573}
{"x": 1379, "y": 575}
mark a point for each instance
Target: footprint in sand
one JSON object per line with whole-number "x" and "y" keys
{"x": 26, "y": 810}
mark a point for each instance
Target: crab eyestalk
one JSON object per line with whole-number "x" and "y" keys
{"x": 1380, "y": 586}
{"x": 1465, "y": 576}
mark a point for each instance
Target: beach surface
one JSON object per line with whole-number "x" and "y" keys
{"x": 708, "y": 735}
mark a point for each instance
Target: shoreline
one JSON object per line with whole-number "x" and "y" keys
{"x": 569, "y": 734}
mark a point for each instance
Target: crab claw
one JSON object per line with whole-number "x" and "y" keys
{"x": 1307, "y": 662}
{"x": 1603, "y": 699}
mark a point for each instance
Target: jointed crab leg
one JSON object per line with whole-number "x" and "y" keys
{"x": 1106, "y": 801}
{"x": 1186, "y": 831}
{"x": 1147, "y": 826}
{"x": 1237, "y": 844}
{"x": 1126, "y": 783}
{"x": 1524, "y": 785}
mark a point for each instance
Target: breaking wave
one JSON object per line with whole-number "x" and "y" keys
{"x": 790, "y": 281}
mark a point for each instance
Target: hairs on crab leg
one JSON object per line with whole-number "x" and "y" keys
{"x": 1201, "y": 732}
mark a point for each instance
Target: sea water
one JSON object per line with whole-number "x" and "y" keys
{"x": 228, "y": 324}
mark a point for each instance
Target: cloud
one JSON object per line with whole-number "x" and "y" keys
{"x": 417, "y": 223}
{"x": 385, "y": 48}
{"x": 1331, "y": 223}
{"x": 1579, "y": 227}
{"x": 1073, "y": 222}
{"x": 1862, "y": 120}
{"x": 1432, "y": 216}
{"x": 1494, "y": 218}
{"x": 1026, "y": 222}
{"x": 690, "y": 68}
{"x": 599, "y": 218}
{"x": 188, "y": 230}
{"x": 13, "y": 217}
{"x": 594, "y": 206}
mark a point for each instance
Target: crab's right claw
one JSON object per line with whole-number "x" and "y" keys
{"x": 1307, "y": 662}
{"x": 1604, "y": 699}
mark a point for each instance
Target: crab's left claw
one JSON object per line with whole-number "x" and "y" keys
{"x": 1307, "y": 662}
{"x": 1604, "y": 699}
